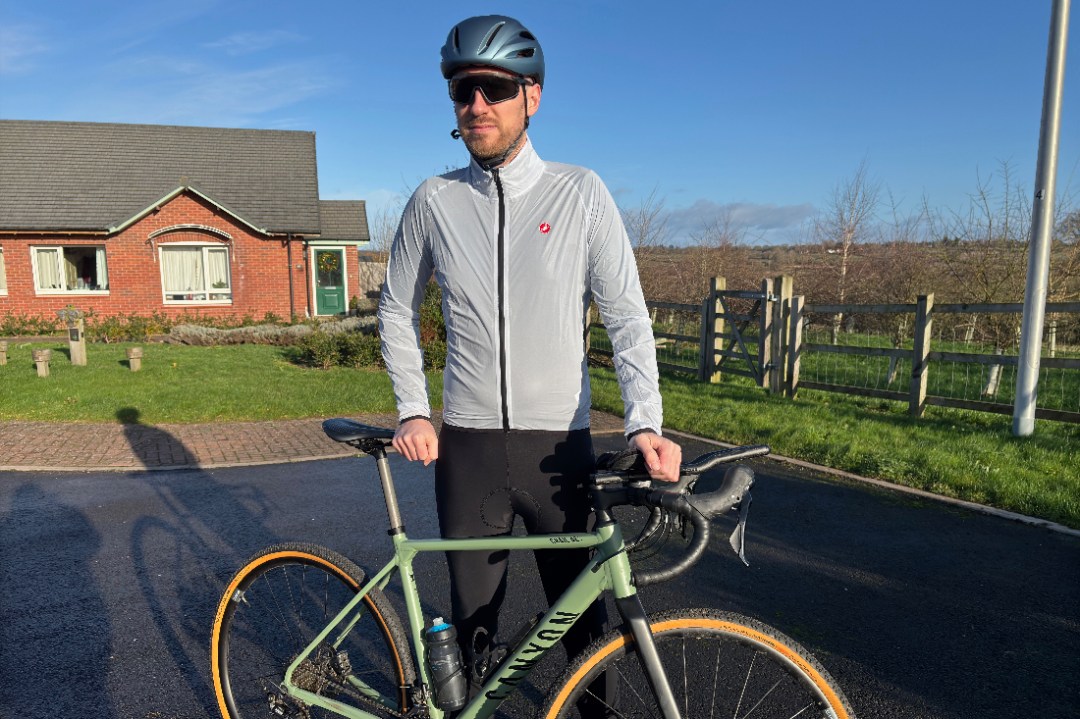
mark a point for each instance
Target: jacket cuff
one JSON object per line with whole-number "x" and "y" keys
{"x": 636, "y": 432}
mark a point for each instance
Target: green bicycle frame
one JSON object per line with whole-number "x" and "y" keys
{"x": 609, "y": 570}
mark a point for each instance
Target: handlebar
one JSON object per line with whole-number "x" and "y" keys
{"x": 622, "y": 480}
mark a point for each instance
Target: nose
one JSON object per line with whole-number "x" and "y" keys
{"x": 478, "y": 101}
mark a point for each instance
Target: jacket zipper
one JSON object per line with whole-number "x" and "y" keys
{"x": 502, "y": 301}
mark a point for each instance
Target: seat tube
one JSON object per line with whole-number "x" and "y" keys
{"x": 631, "y": 610}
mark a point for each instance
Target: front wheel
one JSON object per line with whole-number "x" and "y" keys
{"x": 718, "y": 664}
{"x": 274, "y": 607}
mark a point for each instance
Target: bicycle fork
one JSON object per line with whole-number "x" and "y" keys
{"x": 634, "y": 615}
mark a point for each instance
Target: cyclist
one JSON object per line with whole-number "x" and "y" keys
{"x": 519, "y": 247}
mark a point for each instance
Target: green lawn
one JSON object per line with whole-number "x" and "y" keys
{"x": 962, "y": 454}
{"x": 178, "y": 383}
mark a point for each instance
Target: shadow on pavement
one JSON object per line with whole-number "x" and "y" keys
{"x": 54, "y": 628}
{"x": 184, "y": 555}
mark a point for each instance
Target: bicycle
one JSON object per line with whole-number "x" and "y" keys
{"x": 301, "y": 629}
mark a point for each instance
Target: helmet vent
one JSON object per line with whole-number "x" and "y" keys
{"x": 491, "y": 37}
{"x": 457, "y": 39}
{"x": 528, "y": 52}
{"x": 527, "y": 35}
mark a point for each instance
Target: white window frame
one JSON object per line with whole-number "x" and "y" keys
{"x": 36, "y": 250}
{"x": 3, "y": 273}
{"x": 209, "y": 292}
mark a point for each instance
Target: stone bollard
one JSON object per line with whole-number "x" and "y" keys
{"x": 3, "y": 352}
{"x": 134, "y": 356}
{"x": 41, "y": 359}
{"x": 77, "y": 342}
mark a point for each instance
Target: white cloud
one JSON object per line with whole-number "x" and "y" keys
{"x": 18, "y": 46}
{"x": 247, "y": 43}
{"x": 761, "y": 222}
{"x": 169, "y": 91}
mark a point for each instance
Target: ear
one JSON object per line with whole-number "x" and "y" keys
{"x": 533, "y": 92}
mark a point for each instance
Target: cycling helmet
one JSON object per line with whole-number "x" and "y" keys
{"x": 493, "y": 41}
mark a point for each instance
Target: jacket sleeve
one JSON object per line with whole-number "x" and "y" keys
{"x": 616, "y": 289}
{"x": 407, "y": 274}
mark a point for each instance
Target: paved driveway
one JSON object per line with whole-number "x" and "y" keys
{"x": 108, "y": 583}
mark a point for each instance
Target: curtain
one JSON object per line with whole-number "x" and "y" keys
{"x": 71, "y": 273}
{"x": 3, "y": 272}
{"x": 218, "y": 265}
{"x": 182, "y": 269}
{"x": 48, "y": 269}
{"x": 102, "y": 272}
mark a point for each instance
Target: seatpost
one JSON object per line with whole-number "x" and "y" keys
{"x": 392, "y": 511}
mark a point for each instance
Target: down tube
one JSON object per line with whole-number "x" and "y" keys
{"x": 590, "y": 584}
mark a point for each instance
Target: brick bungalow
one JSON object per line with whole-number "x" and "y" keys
{"x": 125, "y": 219}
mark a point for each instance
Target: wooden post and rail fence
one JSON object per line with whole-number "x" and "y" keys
{"x": 762, "y": 335}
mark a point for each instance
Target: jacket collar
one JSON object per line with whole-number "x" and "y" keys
{"x": 517, "y": 176}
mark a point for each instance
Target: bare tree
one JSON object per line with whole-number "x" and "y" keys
{"x": 647, "y": 226}
{"x": 383, "y": 226}
{"x": 985, "y": 252}
{"x": 647, "y": 223}
{"x": 714, "y": 251}
{"x": 848, "y": 219}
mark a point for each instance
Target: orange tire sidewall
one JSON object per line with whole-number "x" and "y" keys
{"x": 215, "y": 665}
{"x": 701, "y": 623}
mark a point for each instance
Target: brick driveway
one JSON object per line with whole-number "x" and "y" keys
{"x": 47, "y": 446}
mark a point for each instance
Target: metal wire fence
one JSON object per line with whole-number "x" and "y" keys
{"x": 972, "y": 354}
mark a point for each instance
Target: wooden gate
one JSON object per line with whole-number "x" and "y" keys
{"x": 746, "y": 332}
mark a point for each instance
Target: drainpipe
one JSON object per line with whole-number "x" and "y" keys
{"x": 307, "y": 279}
{"x": 292, "y": 300}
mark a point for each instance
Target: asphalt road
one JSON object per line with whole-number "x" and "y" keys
{"x": 108, "y": 584}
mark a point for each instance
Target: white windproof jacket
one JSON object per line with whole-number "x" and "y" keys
{"x": 518, "y": 252}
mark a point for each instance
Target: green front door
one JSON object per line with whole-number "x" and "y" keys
{"x": 329, "y": 282}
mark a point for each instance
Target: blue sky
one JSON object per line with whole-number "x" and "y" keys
{"x": 758, "y": 108}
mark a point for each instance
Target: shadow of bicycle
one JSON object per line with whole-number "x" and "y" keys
{"x": 184, "y": 553}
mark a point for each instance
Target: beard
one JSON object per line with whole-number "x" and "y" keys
{"x": 489, "y": 148}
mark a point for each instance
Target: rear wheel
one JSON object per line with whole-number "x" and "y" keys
{"x": 274, "y": 607}
{"x": 717, "y": 664}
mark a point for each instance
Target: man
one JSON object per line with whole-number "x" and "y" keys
{"x": 519, "y": 248}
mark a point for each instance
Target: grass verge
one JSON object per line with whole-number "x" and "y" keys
{"x": 956, "y": 453}
{"x": 181, "y": 384}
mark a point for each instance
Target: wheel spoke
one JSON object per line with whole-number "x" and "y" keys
{"x": 289, "y": 598}
{"x": 753, "y": 676}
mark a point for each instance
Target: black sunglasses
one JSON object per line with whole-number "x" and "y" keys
{"x": 494, "y": 88}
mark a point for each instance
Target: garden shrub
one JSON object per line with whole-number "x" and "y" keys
{"x": 435, "y": 355}
{"x": 318, "y": 349}
{"x": 359, "y": 350}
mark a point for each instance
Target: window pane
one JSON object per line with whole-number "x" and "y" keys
{"x": 48, "y": 268}
{"x": 218, "y": 265}
{"x": 3, "y": 272}
{"x": 182, "y": 268}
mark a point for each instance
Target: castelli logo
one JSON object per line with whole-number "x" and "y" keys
{"x": 545, "y": 228}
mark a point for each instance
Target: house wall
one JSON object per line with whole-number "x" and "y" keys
{"x": 259, "y": 268}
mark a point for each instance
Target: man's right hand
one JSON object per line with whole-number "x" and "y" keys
{"x": 416, "y": 440}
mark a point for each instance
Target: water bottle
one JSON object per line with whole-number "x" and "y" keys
{"x": 444, "y": 663}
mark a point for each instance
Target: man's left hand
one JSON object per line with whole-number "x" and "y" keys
{"x": 662, "y": 456}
